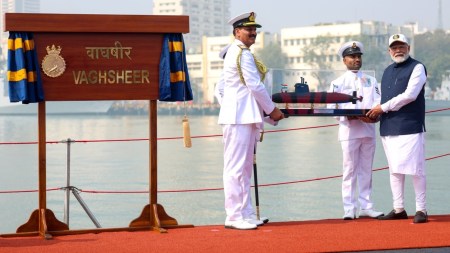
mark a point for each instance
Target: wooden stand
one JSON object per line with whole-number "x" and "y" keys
{"x": 107, "y": 57}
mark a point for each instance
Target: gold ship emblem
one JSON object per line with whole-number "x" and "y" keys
{"x": 53, "y": 64}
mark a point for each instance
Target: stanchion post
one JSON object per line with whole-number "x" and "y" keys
{"x": 67, "y": 189}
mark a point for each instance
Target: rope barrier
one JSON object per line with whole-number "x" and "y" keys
{"x": 25, "y": 191}
{"x": 210, "y": 189}
{"x": 438, "y": 110}
{"x": 160, "y": 139}
{"x": 198, "y": 136}
{"x": 181, "y": 137}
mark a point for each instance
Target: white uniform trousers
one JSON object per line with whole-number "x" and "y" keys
{"x": 239, "y": 144}
{"x": 406, "y": 156}
{"x": 357, "y": 172}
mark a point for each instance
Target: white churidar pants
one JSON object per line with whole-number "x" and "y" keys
{"x": 357, "y": 172}
{"x": 406, "y": 156}
{"x": 398, "y": 189}
{"x": 239, "y": 144}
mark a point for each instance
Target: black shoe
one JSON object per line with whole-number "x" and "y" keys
{"x": 420, "y": 217}
{"x": 394, "y": 216}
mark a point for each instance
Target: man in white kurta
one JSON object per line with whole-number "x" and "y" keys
{"x": 402, "y": 126}
{"x": 356, "y": 134}
{"x": 244, "y": 100}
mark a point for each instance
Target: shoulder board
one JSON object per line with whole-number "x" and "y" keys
{"x": 243, "y": 47}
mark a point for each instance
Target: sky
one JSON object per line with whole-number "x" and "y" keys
{"x": 274, "y": 15}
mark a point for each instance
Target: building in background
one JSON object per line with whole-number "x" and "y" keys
{"x": 210, "y": 32}
{"x": 205, "y": 68}
{"x": 29, "y": 6}
{"x": 294, "y": 41}
{"x": 206, "y": 18}
{"x": 442, "y": 92}
{"x": 11, "y": 6}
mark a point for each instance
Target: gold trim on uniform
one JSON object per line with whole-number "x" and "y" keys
{"x": 262, "y": 69}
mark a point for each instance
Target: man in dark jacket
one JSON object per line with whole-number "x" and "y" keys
{"x": 402, "y": 126}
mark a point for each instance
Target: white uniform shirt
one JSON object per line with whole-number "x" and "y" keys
{"x": 218, "y": 90}
{"x": 243, "y": 104}
{"x": 365, "y": 86}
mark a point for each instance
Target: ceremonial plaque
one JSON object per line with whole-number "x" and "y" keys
{"x": 106, "y": 57}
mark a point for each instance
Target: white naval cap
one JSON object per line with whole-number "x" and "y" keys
{"x": 245, "y": 19}
{"x": 224, "y": 51}
{"x": 351, "y": 47}
{"x": 398, "y": 37}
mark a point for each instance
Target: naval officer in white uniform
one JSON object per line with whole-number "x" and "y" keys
{"x": 356, "y": 134}
{"x": 244, "y": 100}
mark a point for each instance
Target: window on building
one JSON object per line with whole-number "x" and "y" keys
{"x": 194, "y": 66}
{"x": 215, "y": 65}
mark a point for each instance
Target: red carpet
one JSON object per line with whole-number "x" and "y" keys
{"x": 303, "y": 236}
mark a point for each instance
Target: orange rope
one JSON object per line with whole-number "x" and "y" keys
{"x": 198, "y": 136}
{"x": 160, "y": 139}
{"x": 212, "y": 189}
{"x": 181, "y": 137}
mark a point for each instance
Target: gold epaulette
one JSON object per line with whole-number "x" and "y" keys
{"x": 243, "y": 47}
{"x": 238, "y": 62}
{"x": 260, "y": 66}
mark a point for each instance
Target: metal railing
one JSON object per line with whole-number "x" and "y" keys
{"x": 75, "y": 191}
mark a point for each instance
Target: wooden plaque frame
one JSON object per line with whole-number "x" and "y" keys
{"x": 108, "y": 57}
